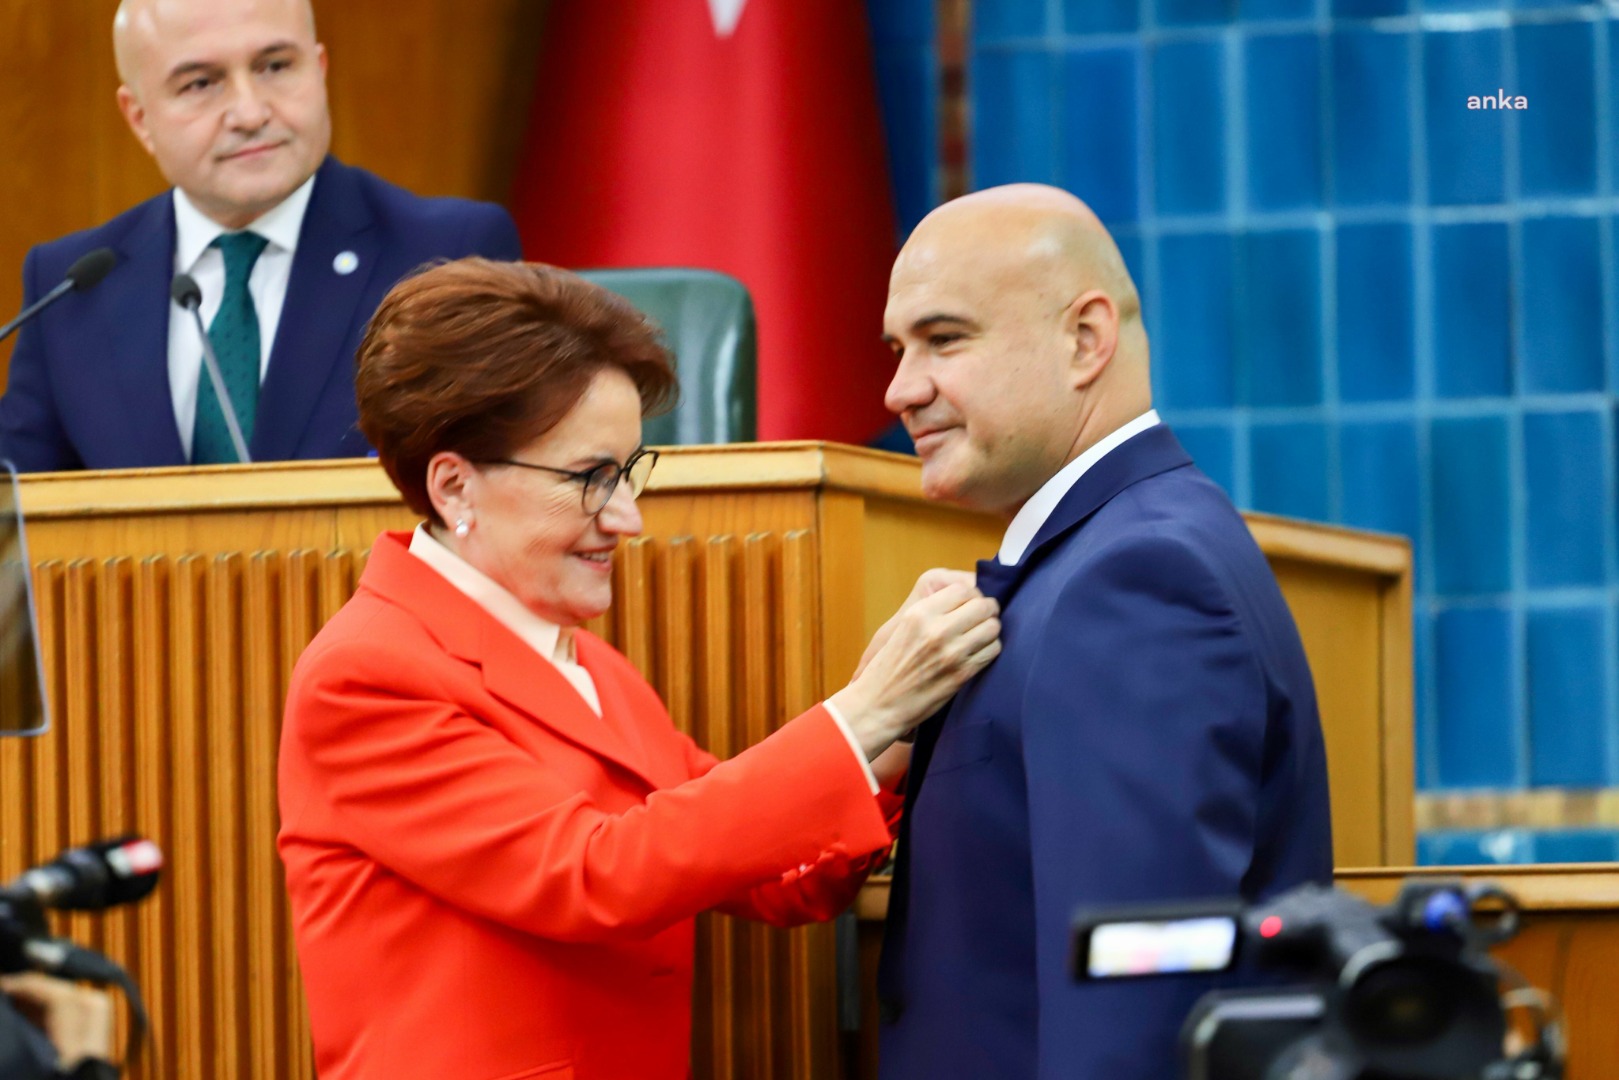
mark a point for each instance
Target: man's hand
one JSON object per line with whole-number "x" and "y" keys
{"x": 77, "y": 1019}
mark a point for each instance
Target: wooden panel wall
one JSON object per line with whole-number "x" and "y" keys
{"x": 432, "y": 94}
{"x": 168, "y": 677}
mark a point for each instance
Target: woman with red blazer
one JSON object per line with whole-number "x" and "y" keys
{"x": 495, "y": 840}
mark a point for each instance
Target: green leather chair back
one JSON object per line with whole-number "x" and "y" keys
{"x": 707, "y": 320}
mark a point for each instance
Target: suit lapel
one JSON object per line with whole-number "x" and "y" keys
{"x": 511, "y": 670}
{"x": 1154, "y": 451}
{"x": 133, "y": 317}
{"x": 320, "y": 310}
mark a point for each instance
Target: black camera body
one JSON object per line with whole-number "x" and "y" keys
{"x": 1403, "y": 992}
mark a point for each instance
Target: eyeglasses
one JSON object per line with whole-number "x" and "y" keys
{"x": 599, "y": 482}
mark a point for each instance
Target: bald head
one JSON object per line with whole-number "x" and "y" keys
{"x": 1036, "y": 236}
{"x": 1019, "y": 338}
{"x": 140, "y": 25}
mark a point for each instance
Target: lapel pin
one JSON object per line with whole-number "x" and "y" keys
{"x": 346, "y": 262}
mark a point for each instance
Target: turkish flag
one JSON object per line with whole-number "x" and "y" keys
{"x": 733, "y": 135}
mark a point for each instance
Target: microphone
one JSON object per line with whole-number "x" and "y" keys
{"x": 185, "y": 291}
{"x": 94, "y": 877}
{"x": 85, "y": 273}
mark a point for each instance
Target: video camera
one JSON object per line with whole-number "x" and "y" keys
{"x": 1403, "y": 992}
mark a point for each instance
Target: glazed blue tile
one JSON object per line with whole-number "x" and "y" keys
{"x": 1369, "y": 9}
{"x": 1130, "y": 247}
{"x": 1562, "y": 350}
{"x": 1376, "y": 334}
{"x": 1188, "y": 124}
{"x": 1466, "y": 156}
{"x": 1568, "y": 708}
{"x": 1194, "y": 12}
{"x": 1557, "y": 133}
{"x": 1213, "y": 449}
{"x": 1461, "y": 5}
{"x": 1008, "y": 19}
{"x": 1371, "y": 124}
{"x": 1100, "y": 16}
{"x": 1282, "y": 93}
{"x": 1458, "y": 848}
{"x": 1012, "y": 107}
{"x": 1194, "y": 357}
{"x": 1279, "y": 318}
{"x": 1564, "y": 467}
{"x": 1097, "y": 118}
{"x": 1253, "y": 10}
{"x": 905, "y": 84}
{"x": 1472, "y": 500}
{"x": 1611, "y": 141}
{"x": 1288, "y": 470}
{"x": 1472, "y": 311}
{"x": 907, "y": 21}
{"x": 1577, "y": 846}
{"x": 1477, "y": 685}
{"x": 1381, "y": 478}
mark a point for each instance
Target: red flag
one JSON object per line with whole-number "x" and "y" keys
{"x": 734, "y": 135}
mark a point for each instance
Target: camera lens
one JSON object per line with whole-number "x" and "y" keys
{"x": 1402, "y": 1003}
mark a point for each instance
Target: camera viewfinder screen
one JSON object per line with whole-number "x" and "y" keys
{"x": 1161, "y": 948}
{"x": 22, "y": 709}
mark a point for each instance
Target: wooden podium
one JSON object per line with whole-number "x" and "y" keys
{"x": 173, "y": 604}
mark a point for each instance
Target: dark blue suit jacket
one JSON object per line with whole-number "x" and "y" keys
{"x": 1149, "y": 733}
{"x": 89, "y": 380}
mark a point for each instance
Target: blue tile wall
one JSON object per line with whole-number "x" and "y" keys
{"x": 1562, "y": 349}
{"x": 1014, "y": 137}
{"x": 1564, "y": 468}
{"x": 1568, "y": 700}
{"x": 1097, "y": 116}
{"x": 1295, "y": 483}
{"x": 1376, "y": 316}
{"x": 1557, "y": 134}
{"x": 1382, "y": 478}
{"x": 1284, "y": 127}
{"x": 1371, "y": 117}
{"x": 1372, "y": 305}
{"x": 903, "y": 39}
{"x": 1466, "y": 149}
{"x": 1279, "y": 317}
{"x": 1472, "y": 310}
{"x": 1196, "y": 338}
{"x": 1476, "y": 681}
{"x": 1188, "y": 126}
{"x": 1472, "y": 510}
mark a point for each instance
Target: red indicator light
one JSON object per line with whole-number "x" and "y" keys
{"x": 1271, "y": 926}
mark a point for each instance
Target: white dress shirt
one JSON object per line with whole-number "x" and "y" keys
{"x": 194, "y": 233}
{"x": 1034, "y": 513}
{"x": 546, "y": 638}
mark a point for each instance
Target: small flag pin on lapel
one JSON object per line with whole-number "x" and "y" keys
{"x": 346, "y": 262}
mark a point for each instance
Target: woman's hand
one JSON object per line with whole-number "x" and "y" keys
{"x": 928, "y": 650}
{"x": 929, "y": 583}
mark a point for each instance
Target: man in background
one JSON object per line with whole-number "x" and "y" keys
{"x": 292, "y": 250}
{"x": 1149, "y": 732}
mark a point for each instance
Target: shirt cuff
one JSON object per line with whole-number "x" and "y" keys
{"x": 859, "y": 754}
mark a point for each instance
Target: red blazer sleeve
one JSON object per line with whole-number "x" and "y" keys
{"x": 447, "y": 801}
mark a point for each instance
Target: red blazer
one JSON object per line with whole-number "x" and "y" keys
{"x": 490, "y": 882}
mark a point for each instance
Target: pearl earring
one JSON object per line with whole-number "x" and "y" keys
{"x": 462, "y": 528}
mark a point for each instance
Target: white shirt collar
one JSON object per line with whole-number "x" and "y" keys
{"x": 280, "y": 225}
{"x": 540, "y": 635}
{"x": 1034, "y": 513}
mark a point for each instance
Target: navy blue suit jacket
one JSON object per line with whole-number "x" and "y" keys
{"x": 1148, "y": 733}
{"x": 89, "y": 380}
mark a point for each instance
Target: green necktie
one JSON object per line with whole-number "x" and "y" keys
{"x": 235, "y": 335}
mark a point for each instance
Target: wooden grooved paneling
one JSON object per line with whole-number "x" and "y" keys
{"x": 632, "y": 605}
{"x": 154, "y": 772}
{"x": 48, "y": 814}
{"x": 676, "y": 648}
{"x": 265, "y": 894}
{"x": 754, "y": 718}
{"x": 221, "y": 724}
{"x": 714, "y": 1042}
{"x": 189, "y": 868}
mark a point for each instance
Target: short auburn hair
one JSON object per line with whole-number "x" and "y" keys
{"x": 482, "y": 357}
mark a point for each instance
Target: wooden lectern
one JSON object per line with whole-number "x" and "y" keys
{"x": 173, "y": 604}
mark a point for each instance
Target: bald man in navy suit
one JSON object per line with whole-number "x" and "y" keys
{"x": 229, "y": 97}
{"x": 1149, "y": 732}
